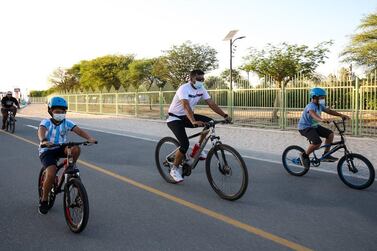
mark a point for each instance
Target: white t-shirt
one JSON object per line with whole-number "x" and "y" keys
{"x": 186, "y": 91}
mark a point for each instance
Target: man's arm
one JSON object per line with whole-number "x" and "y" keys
{"x": 16, "y": 102}
{"x": 216, "y": 108}
{"x": 188, "y": 111}
{"x": 83, "y": 134}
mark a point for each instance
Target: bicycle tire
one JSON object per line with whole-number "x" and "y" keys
{"x": 12, "y": 126}
{"x": 352, "y": 157}
{"x": 227, "y": 173}
{"x": 301, "y": 169}
{"x": 162, "y": 168}
{"x": 51, "y": 195}
{"x": 68, "y": 204}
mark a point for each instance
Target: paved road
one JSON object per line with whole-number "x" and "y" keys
{"x": 132, "y": 208}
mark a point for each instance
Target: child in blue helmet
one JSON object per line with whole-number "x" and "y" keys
{"x": 54, "y": 131}
{"x": 310, "y": 128}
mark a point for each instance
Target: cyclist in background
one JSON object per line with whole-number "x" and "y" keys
{"x": 8, "y": 103}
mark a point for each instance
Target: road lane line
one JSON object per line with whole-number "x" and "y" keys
{"x": 226, "y": 219}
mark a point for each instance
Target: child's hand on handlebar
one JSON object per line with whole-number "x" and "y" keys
{"x": 228, "y": 119}
{"x": 92, "y": 140}
{"x": 198, "y": 123}
{"x": 345, "y": 117}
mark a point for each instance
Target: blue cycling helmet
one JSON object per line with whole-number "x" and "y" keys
{"x": 317, "y": 92}
{"x": 57, "y": 102}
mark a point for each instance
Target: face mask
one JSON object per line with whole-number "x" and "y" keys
{"x": 322, "y": 102}
{"x": 198, "y": 84}
{"x": 58, "y": 117}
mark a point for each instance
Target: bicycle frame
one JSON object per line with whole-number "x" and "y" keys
{"x": 210, "y": 130}
{"x": 65, "y": 175}
{"x": 338, "y": 145}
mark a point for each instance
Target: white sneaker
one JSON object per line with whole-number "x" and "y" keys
{"x": 202, "y": 155}
{"x": 176, "y": 174}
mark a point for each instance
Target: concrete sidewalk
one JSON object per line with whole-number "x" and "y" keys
{"x": 254, "y": 142}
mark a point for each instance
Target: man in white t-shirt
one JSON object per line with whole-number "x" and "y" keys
{"x": 181, "y": 115}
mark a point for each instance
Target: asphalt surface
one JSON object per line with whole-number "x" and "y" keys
{"x": 316, "y": 211}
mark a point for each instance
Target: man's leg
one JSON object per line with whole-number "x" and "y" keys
{"x": 178, "y": 128}
{"x": 5, "y": 116}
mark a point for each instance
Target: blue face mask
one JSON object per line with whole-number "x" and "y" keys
{"x": 198, "y": 84}
{"x": 322, "y": 102}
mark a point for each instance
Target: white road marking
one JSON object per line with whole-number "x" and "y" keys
{"x": 31, "y": 126}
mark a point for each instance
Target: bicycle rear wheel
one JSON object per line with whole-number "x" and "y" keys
{"x": 356, "y": 171}
{"x": 76, "y": 205}
{"x": 227, "y": 172}
{"x": 164, "y": 156}
{"x": 292, "y": 162}
{"x": 51, "y": 194}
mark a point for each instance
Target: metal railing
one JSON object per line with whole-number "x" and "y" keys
{"x": 263, "y": 105}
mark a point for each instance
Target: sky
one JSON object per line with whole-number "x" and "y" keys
{"x": 41, "y": 35}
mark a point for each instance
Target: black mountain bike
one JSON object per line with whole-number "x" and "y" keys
{"x": 354, "y": 170}
{"x": 75, "y": 201}
{"x": 226, "y": 170}
{"x": 10, "y": 123}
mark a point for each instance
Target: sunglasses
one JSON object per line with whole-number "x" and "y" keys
{"x": 199, "y": 79}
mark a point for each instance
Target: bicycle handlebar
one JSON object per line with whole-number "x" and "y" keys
{"x": 85, "y": 143}
{"x": 212, "y": 123}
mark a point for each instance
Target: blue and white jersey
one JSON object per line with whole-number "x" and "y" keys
{"x": 56, "y": 134}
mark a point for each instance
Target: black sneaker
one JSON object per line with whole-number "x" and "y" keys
{"x": 43, "y": 207}
{"x": 305, "y": 161}
{"x": 329, "y": 158}
{"x": 3, "y": 127}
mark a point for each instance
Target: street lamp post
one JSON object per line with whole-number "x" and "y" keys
{"x": 229, "y": 37}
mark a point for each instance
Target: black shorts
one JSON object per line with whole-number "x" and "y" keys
{"x": 178, "y": 128}
{"x": 51, "y": 157}
{"x": 313, "y": 134}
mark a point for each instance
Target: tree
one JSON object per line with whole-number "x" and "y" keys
{"x": 140, "y": 73}
{"x": 236, "y": 75}
{"x": 63, "y": 80}
{"x": 363, "y": 45}
{"x": 105, "y": 72}
{"x": 283, "y": 62}
{"x": 182, "y": 59}
{"x": 213, "y": 82}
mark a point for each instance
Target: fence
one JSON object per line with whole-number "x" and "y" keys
{"x": 267, "y": 104}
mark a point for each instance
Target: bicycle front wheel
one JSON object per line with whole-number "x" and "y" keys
{"x": 356, "y": 171}
{"x": 227, "y": 172}
{"x": 164, "y": 156}
{"x": 292, "y": 162}
{"x": 12, "y": 125}
{"x": 76, "y": 205}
